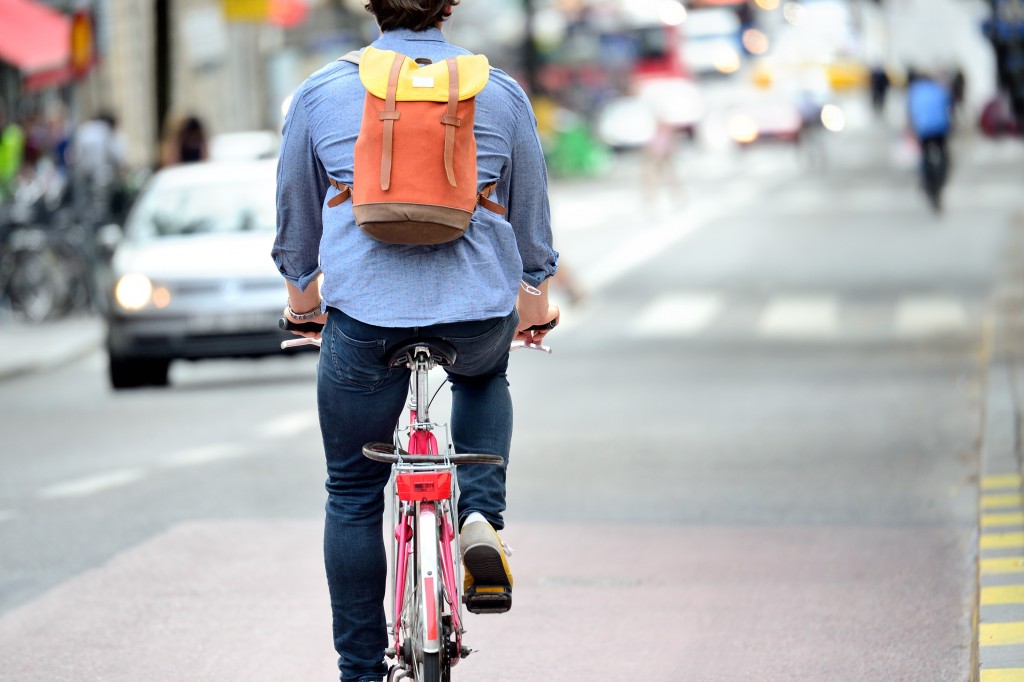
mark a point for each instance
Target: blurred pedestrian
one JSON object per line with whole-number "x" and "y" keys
{"x": 185, "y": 142}
{"x": 97, "y": 162}
{"x": 659, "y": 165}
{"x": 879, "y": 83}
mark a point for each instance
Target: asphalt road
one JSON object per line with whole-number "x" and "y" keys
{"x": 752, "y": 455}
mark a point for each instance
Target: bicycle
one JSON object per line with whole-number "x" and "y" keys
{"x": 426, "y": 629}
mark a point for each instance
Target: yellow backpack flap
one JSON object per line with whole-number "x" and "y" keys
{"x": 421, "y": 83}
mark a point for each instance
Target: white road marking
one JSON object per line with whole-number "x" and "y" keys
{"x": 288, "y": 425}
{"x": 920, "y": 316}
{"x": 799, "y": 317}
{"x": 91, "y": 485}
{"x": 685, "y": 314}
{"x": 203, "y": 454}
{"x": 653, "y": 240}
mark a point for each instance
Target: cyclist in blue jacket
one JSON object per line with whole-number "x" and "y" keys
{"x": 930, "y": 112}
{"x": 478, "y": 292}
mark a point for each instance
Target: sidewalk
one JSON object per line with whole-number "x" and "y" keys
{"x": 28, "y": 348}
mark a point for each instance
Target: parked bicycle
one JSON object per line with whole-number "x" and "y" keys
{"x": 427, "y": 627}
{"x": 46, "y": 256}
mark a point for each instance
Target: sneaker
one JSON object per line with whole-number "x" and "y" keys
{"x": 488, "y": 582}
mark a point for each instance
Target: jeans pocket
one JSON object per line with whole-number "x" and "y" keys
{"x": 358, "y": 362}
{"x": 482, "y": 347}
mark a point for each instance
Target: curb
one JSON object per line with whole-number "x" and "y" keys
{"x": 998, "y": 620}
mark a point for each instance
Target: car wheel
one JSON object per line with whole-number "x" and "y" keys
{"x": 136, "y": 372}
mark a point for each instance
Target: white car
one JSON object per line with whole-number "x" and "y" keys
{"x": 193, "y": 277}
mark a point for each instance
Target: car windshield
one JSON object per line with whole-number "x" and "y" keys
{"x": 210, "y": 208}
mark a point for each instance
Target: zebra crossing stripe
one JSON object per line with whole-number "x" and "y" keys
{"x": 1000, "y": 634}
{"x": 1001, "y": 565}
{"x": 678, "y": 315}
{"x": 920, "y": 316}
{"x": 1002, "y": 675}
{"x": 799, "y": 317}
{"x": 1001, "y": 482}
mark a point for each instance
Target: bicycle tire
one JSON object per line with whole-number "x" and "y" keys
{"x": 431, "y": 668}
{"x": 430, "y": 631}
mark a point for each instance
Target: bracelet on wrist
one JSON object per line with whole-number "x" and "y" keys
{"x": 311, "y": 314}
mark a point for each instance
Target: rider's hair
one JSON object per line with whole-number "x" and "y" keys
{"x": 418, "y": 15}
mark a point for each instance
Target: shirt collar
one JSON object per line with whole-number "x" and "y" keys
{"x": 430, "y": 35}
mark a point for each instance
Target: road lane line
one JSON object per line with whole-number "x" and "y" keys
{"x": 677, "y": 315}
{"x": 1001, "y": 565}
{"x": 1001, "y": 540}
{"x": 990, "y": 501}
{"x": 1002, "y": 594}
{"x": 91, "y": 485}
{"x": 798, "y": 317}
{"x": 203, "y": 454}
{"x": 289, "y": 425}
{"x": 921, "y": 316}
{"x": 1000, "y": 634}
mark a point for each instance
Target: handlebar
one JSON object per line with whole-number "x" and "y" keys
{"x": 288, "y": 325}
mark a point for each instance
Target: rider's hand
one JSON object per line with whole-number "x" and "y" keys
{"x": 535, "y": 309}
{"x": 321, "y": 319}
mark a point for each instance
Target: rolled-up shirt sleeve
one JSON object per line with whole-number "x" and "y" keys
{"x": 301, "y": 188}
{"x": 528, "y": 209}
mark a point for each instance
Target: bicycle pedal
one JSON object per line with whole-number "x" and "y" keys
{"x": 488, "y": 599}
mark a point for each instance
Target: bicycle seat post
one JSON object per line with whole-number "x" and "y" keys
{"x": 420, "y": 364}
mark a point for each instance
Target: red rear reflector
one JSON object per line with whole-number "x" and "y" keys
{"x": 424, "y": 486}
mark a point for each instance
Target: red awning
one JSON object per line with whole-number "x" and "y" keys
{"x": 33, "y": 38}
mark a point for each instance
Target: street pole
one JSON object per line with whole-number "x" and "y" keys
{"x": 162, "y": 60}
{"x": 531, "y": 60}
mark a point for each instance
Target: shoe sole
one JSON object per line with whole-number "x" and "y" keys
{"x": 486, "y": 566}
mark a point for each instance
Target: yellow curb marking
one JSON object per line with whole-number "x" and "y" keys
{"x": 1008, "y": 519}
{"x": 998, "y": 481}
{"x": 1001, "y": 540}
{"x": 1000, "y": 634}
{"x": 1003, "y": 500}
{"x": 1002, "y": 594}
{"x": 1002, "y": 565}
{"x": 1002, "y": 675}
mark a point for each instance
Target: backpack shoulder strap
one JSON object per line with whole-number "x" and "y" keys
{"x": 355, "y": 56}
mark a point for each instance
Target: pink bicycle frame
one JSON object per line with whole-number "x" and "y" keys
{"x": 423, "y": 442}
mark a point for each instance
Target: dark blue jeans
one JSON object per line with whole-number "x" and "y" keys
{"x": 360, "y": 399}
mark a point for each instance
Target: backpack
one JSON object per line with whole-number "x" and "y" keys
{"x": 415, "y": 179}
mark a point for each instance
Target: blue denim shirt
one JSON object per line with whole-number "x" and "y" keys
{"x": 474, "y": 277}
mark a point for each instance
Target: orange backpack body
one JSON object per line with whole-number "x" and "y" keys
{"x": 415, "y": 175}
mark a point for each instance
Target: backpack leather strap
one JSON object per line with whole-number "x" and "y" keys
{"x": 389, "y": 116}
{"x": 483, "y": 200}
{"x": 338, "y": 199}
{"x": 451, "y": 121}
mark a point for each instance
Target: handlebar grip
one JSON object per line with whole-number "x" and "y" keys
{"x": 543, "y": 327}
{"x": 289, "y": 326}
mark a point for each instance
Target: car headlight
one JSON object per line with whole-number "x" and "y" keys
{"x": 833, "y": 118}
{"x": 133, "y": 291}
{"x": 743, "y": 128}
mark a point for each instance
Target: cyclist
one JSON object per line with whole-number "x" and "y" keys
{"x": 479, "y": 292}
{"x": 930, "y": 109}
